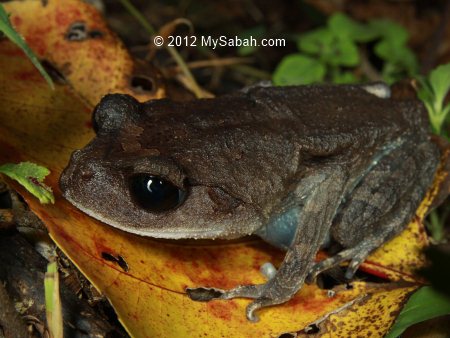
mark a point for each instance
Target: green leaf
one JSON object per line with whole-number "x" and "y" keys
{"x": 344, "y": 77}
{"x": 330, "y": 48}
{"x": 439, "y": 80}
{"x": 342, "y": 25}
{"x": 8, "y": 30}
{"x": 345, "y": 53}
{"x": 393, "y": 51}
{"x": 432, "y": 91}
{"x": 256, "y": 33}
{"x": 31, "y": 176}
{"x": 425, "y": 304}
{"x": 316, "y": 41}
{"x": 296, "y": 69}
{"x": 389, "y": 30}
{"x": 399, "y": 59}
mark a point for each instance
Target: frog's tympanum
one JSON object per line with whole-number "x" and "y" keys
{"x": 298, "y": 166}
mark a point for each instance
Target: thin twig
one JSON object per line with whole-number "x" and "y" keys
{"x": 257, "y": 73}
{"x": 191, "y": 82}
{"x": 218, "y": 62}
{"x": 367, "y": 68}
{"x": 211, "y": 63}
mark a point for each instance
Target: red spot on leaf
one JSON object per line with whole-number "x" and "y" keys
{"x": 221, "y": 309}
{"x": 32, "y": 76}
{"x": 16, "y": 21}
{"x": 34, "y": 181}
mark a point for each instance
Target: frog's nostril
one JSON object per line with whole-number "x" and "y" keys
{"x": 87, "y": 174}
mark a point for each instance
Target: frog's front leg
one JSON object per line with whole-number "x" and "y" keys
{"x": 324, "y": 192}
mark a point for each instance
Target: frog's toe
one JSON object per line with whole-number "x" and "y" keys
{"x": 352, "y": 267}
{"x": 250, "y": 311}
{"x": 258, "y": 304}
{"x": 354, "y": 264}
{"x": 327, "y": 264}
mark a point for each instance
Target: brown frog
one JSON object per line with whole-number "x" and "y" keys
{"x": 298, "y": 166}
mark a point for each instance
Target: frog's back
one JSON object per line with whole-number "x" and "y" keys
{"x": 322, "y": 119}
{"x": 268, "y": 132}
{"x": 340, "y": 109}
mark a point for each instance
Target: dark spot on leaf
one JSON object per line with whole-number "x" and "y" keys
{"x": 34, "y": 181}
{"x": 312, "y": 329}
{"x": 77, "y": 32}
{"x": 142, "y": 83}
{"x": 348, "y": 286}
{"x": 287, "y": 335}
{"x": 54, "y": 73}
{"x": 116, "y": 259}
{"x": 95, "y": 34}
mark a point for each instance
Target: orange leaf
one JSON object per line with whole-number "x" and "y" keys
{"x": 74, "y": 38}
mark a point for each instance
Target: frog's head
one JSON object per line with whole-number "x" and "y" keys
{"x": 138, "y": 187}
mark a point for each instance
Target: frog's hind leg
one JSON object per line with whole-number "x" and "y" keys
{"x": 322, "y": 192}
{"x": 381, "y": 205}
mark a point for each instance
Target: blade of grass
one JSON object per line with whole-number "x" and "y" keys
{"x": 9, "y": 31}
{"x": 196, "y": 89}
{"x": 138, "y": 16}
{"x": 53, "y": 301}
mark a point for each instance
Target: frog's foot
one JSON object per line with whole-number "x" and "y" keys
{"x": 256, "y": 292}
{"x": 204, "y": 294}
{"x": 356, "y": 256}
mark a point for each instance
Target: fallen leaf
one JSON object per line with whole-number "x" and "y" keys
{"x": 374, "y": 308}
{"x": 145, "y": 278}
{"x": 73, "y": 37}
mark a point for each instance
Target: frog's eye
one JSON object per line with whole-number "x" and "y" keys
{"x": 154, "y": 193}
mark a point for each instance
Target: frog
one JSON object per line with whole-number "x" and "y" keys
{"x": 298, "y": 166}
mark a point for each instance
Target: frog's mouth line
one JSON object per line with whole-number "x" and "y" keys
{"x": 175, "y": 234}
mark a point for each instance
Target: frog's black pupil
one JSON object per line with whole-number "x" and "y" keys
{"x": 154, "y": 193}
